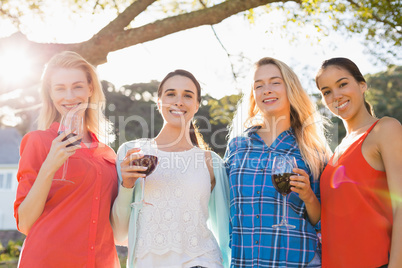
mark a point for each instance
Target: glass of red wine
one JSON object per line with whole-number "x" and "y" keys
{"x": 150, "y": 160}
{"x": 282, "y": 169}
{"x": 74, "y": 125}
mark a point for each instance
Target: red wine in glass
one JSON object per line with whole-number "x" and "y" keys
{"x": 74, "y": 125}
{"x": 149, "y": 161}
{"x": 282, "y": 169}
{"x": 281, "y": 182}
{"x": 71, "y": 135}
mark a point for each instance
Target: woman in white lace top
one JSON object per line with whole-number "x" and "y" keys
{"x": 185, "y": 222}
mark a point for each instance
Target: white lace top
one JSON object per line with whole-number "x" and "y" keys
{"x": 173, "y": 231}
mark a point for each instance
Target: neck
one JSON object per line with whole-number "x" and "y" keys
{"x": 359, "y": 122}
{"x": 273, "y": 126}
{"x": 174, "y": 138}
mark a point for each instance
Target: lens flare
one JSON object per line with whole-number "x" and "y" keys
{"x": 339, "y": 177}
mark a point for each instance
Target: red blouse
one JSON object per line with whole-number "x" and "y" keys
{"x": 74, "y": 229}
{"x": 356, "y": 212}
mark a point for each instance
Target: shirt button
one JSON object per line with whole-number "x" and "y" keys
{"x": 92, "y": 247}
{"x": 256, "y": 242}
{"x": 93, "y": 221}
{"x": 96, "y": 198}
{"x": 258, "y": 192}
{"x": 100, "y": 172}
{"x": 258, "y": 216}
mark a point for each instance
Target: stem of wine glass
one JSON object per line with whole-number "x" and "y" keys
{"x": 284, "y": 220}
{"x": 143, "y": 189}
{"x": 65, "y": 166}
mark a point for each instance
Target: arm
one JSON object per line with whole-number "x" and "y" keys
{"x": 34, "y": 202}
{"x": 390, "y": 146}
{"x": 302, "y": 186}
{"x": 128, "y": 175}
{"x": 208, "y": 160}
{"x": 219, "y": 215}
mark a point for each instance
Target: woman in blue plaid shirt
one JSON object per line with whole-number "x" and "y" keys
{"x": 280, "y": 120}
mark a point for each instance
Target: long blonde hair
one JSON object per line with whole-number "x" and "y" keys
{"x": 94, "y": 115}
{"x": 305, "y": 120}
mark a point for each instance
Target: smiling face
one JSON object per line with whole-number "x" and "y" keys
{"x": 269, "y": 91}
{"x": 178, "y": 101}
{"x": 341, "y": 93}
{"x": 69, "y": 90}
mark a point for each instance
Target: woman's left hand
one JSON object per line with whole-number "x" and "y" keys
{"x": 301, "y": 185}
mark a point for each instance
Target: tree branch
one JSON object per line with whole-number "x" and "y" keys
{"x": 114, "y": 37}
{"x": 160, "y": 28}
{"x": 124, "y": 18}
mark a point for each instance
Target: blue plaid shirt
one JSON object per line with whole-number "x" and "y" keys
{"x": 255, "y": 205}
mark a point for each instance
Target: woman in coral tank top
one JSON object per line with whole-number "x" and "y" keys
{"x": 361, "y": 187}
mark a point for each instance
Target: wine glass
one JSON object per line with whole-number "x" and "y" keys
{"x": 282, "y": 169}
{"x": 74, "y": 125}
{"x": 150, "y": 160}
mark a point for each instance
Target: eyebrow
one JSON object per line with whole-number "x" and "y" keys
{"x": 337, "y": 81}
{"x": 271, "y": 78}
{"x": 77, "y": 82}
{"x": 186, "y": 90}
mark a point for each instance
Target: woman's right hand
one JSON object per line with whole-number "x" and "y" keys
{"x": 59, "y": 152}
{"x": 129, "y": 172}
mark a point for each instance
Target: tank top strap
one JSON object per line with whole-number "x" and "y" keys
{"x": 370, "y": 128}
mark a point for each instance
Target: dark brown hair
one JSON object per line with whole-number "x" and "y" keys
{"x": 195, "y": 135}
{"x": 352, "y": 68}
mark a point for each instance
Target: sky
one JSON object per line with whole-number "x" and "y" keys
{"x": 198, "y": 50}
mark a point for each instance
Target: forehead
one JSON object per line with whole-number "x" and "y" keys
{"x": 67, "y": 75}
{"x": 267, "y": 71}
{"x": 179, "y": 82}
{"x": 332, "y": 74}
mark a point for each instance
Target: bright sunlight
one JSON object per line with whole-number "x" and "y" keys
{"x": 15, "y": 65}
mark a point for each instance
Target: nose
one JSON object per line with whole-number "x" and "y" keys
{"x": 337, "y": 95}
{"x": 179, "y": 101}
{"x": 69, "y": 94}
{"x": 266, "y": 90}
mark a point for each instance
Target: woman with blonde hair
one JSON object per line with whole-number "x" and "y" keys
{"x": 66, "y": 222}
{"x": 280, "y": 120}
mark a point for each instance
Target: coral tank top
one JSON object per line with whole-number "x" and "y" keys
{"x": 356, "y": 211}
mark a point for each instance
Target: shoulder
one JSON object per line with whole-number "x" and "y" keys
{"x": 37, "y": 137}
{"x": 239, "y": 141}
{"x": 128, "y": 145}
{"x": 388, "y": 123}
{"x": 387, "y": 131}
{"x": 387, "y": 127}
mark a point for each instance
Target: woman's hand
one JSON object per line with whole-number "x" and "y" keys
{"x": 301, "y": 185}
{"x": 34, "y": 203}
{"x": 59, "y": 152}
{"x": 129, "y": 172}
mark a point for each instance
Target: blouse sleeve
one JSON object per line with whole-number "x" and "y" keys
{"x": 219, "y": 217}
{"x": 33, "y": 153}
{"x": 121, "y": 210}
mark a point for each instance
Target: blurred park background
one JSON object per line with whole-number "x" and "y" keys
{"x": 135, "y": 43}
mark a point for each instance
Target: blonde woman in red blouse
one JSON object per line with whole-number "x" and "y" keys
{"x": 67, "y": 224}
